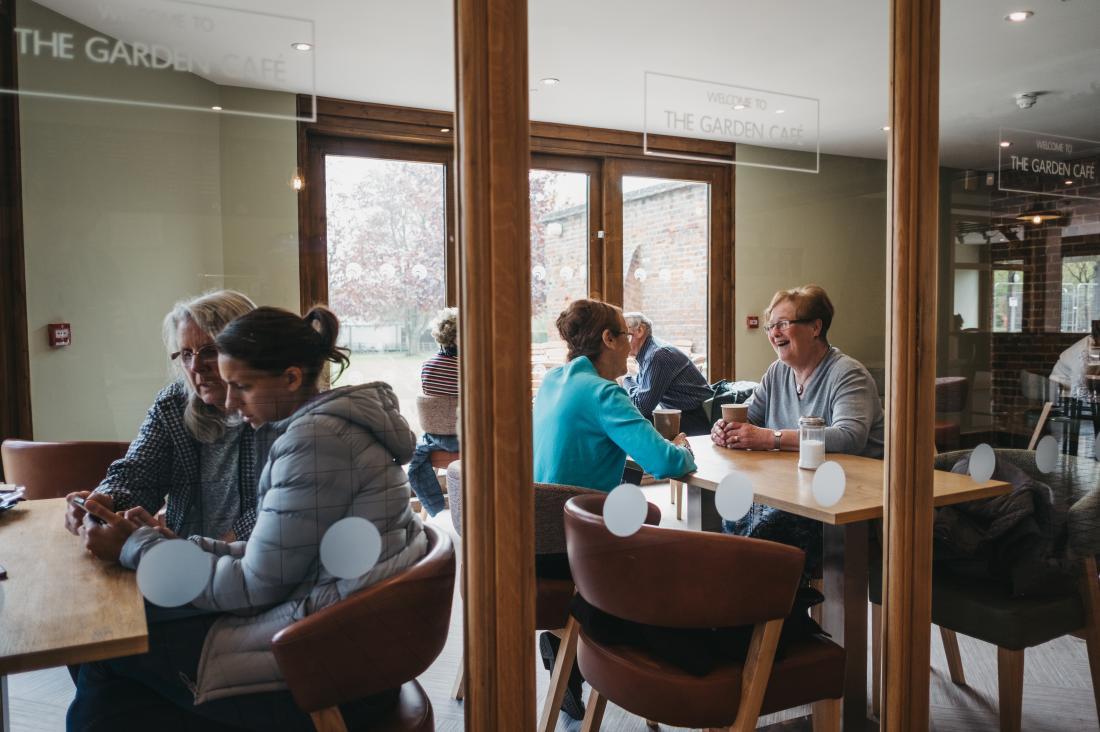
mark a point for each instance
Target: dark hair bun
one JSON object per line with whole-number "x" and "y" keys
{"x": 272, "y": 339}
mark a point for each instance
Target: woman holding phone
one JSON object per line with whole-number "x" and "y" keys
{"x": 190, "y": 455}
{"x": 327, "y": 456}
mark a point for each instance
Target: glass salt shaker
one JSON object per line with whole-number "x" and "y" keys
{"x": 811, "y": 442}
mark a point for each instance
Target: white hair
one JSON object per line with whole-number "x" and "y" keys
{"x": 633, "y": 320}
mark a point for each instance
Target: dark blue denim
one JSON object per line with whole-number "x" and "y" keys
{"x": 422, "y": 475}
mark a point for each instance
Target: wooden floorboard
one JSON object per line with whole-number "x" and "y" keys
{"x": 1057, "y": 689}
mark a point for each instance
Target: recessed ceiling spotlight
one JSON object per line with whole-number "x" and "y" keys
{"x": 444, "y": 129}
{"x": 216, "y": 108}
{"x": 551, "y": 81}
{"x": 1019, "y": 16}
{"x": 780, "y": 111}
{"x": 740, "y": 106}
{"x": 302, "y": 46}
{"x": 1069, "y": 182}
{"x": 1006, "y": 143}
{"x": 886, "y": 128}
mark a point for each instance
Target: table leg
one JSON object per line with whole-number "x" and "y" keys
{"x": 844, "y": 614}
{"x": 701, "y": 512}
{"x": 5, "y": 715}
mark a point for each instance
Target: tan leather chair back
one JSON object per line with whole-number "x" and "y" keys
{"x": 375, "y": 640}
{"x": 667, "y": 577}
{"x": 438, "y": 414}
{"x": 54, "y": 469}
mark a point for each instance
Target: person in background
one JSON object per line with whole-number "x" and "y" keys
{"x": 328, "y": 456}
{"x": 438, "y": 377}
{"x": 1070, "y": 373}
{"x": 190, "y": 454}
{"x": 667, "y": 377}
{"x": 809, "y": 378}
{"x": 584, "y": 427}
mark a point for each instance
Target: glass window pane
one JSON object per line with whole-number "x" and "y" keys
{"x": 386, "y": 270}
{"x": 559, "y": 260}
{"x": 666, "y": 235}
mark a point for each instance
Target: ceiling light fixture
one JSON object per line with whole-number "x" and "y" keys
{"x": 780, "y": 111}
{"x": 1006, "y": 143}
{"x": 1039, "y": 217}
{"x": 1069, "y": 182}
{"x": 444, "y": 129}
{"x": 551, "y": 81}
{"x": 216, "y": 108}
{"x": 886, "y": 128}
{"x": 1019, "y": 16}
{"x": 302, "y": 46}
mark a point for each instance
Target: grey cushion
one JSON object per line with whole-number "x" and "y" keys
{"x": 438, "y": 414}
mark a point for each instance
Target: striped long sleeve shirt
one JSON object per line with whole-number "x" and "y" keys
{"x": 666, "y": 377}
{"x": 439, "y": 374}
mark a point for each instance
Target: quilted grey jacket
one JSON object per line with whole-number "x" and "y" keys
{"x": 339, "y": 455}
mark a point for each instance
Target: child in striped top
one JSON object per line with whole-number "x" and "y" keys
{"x": 438, "y": 377}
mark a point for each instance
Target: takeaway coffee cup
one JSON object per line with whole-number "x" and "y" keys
{"x": 735, "y": 412}
{"x": 667, "y": 422}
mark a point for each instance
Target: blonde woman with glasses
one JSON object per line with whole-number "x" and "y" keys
{"x": 190, "y": 456}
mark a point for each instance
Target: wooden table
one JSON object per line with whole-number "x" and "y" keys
{"x": 59, "y": 604}
{"x": 778, "y": 482}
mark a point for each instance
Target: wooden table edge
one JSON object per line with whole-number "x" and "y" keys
{"x": 72, "y": 655}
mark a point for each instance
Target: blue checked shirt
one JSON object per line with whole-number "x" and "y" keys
{"x": 667, "y": 378}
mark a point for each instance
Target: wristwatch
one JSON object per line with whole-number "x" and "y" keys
{"x": 778, "y": 439}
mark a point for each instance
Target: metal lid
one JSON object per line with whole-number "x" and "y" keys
{"x": 811, "y": 422}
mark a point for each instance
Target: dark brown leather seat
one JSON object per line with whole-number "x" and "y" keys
{"x": 55, "y": 469}
{"x": 687, "y": 579}
{"x": 377, "y": 640}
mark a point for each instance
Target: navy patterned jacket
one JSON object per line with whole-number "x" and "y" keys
{"x": 163, "y": 461}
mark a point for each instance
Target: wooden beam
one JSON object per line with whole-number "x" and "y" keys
{"x": 15, "y": 370}
{"x": 495, "y": 304}
{"x": 913, "y": 226}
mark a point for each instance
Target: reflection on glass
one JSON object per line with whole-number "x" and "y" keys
{"x": 559, "y": 260}
{"x": 666, "y": 230}
{"x": 386, "y": 271}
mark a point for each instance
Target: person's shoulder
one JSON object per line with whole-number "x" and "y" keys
{"x": 843, "y": 364}
{"x": 172, "y": 398}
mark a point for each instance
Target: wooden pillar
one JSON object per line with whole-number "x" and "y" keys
{"x": 15, "y": 378}
{"x": 913, "y": 227}
{"x": 495, "y": 320}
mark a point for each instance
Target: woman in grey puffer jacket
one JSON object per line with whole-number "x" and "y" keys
{"x": 327, "y": 456}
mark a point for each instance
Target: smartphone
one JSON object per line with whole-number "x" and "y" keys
{"x": 78, "y": 501}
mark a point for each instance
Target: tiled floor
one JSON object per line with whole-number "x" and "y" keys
{"x": 1057, "y": 687}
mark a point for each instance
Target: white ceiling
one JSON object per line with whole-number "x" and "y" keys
{"x": 403, "y": 53}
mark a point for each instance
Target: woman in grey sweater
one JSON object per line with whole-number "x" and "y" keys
{"x": 810, "y": 378}
{"x": 327, "y": 456}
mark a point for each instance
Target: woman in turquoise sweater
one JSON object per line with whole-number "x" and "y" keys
{"x": 585, "y": 424}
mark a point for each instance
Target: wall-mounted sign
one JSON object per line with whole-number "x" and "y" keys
{"x": 782, "y": 129}
{"x": 149, "y": 52}
{"x": 1048, "y": 165}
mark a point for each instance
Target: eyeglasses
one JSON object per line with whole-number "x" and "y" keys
{"x": 206, "y": 354}
{"x": 783, "y": 325}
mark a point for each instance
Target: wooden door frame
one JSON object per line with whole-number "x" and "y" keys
{"x": 312, "y": 201}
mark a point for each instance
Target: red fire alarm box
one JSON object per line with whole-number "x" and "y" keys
{"x": 60, "y": 334}
{"x": 752, "y": 321}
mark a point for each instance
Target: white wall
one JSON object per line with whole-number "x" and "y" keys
{"x": 798, "y": 228}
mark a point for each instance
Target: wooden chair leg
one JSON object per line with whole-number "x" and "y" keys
{"x": 458, "y": 690}
{"x": 754, "y": 676}
{"x": 328, "y": 720}
{"x": 672, "y": 492}
{"x": 876, "y": 660}
{"x": 954, "y": 658}
{"x": 815, "y": 612}
{"x": 679, "y": 488}
{"x": 1090, "y": 592}
{"x": 559, "y": 679}
{"x": 826, "y": 715}
{"x": 1010, "y": 686}
{"x": 593, "y": 713}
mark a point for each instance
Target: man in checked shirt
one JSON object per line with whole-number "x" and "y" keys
{"x": 666, "y": 377}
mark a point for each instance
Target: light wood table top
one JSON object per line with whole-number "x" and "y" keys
{"x": 60, "y": 605}
{"x": 778, "y": 482}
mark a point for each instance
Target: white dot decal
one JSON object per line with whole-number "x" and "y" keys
{"x": 419, "y": 271}
{"x": 173, "y": 573}
{"x": 1046, "y": 454}
{"x": 640, "y": 274}
{"x": 350, "y": 548}
{"x": 538, "y": 272}
{"x": 982, "y": 462}
{"x": 353, "y": 271}
{"x": 540, "y": 370}
{"x": 829, "y": 483}
{"x": 733, "y": 498}
{"x": 624, "y": 510}
{"x": 388, "y": 271}
{"x": 567, "y": 273}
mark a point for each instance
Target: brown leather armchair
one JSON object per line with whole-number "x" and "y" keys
{"x": 377, "y": 640}
{"x": 55, "y": 469}
{"x": 688, "y": 579}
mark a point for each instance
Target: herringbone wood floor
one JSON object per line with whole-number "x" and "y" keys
{"x": 1057, "y": 689}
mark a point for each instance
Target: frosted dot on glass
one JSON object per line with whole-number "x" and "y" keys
{"x": 419, "y": 271}
{"x": 387, "y": 270}
{"x": 540, "y": 370}
{"x": 624, "y": 510}
{"x": 350, "y": 548}
{"x": 1046, "y": 454}
{"x": 733, "y": 498}
{"x": 665, "y": 275}
{"x": 538, "y": 272}
{"x": 567, "y": 273}
{"x": 640, "y": 274}
{"x": 353, "y": 271}
{"x": 689, "y": 275}
{"x": 173, "y": 573}
{"x": 982, "y": 462}
{"x": 829, "y": 483}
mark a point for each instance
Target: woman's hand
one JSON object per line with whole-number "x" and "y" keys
{"x": 74, "y": 515}
{"x": 741, "y": 436}
{"x": 681, "y": 440}
{"x": 105, "y": 540}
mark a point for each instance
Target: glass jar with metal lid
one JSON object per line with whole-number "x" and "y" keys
{"x": 811, "y": 442}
